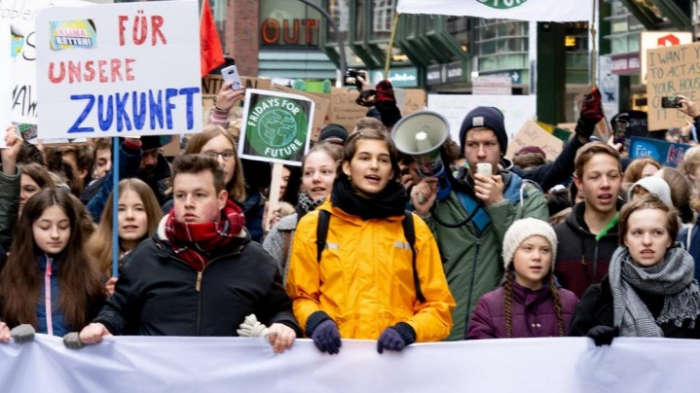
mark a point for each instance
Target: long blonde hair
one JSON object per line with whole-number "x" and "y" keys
{"x": 100, "y": 244}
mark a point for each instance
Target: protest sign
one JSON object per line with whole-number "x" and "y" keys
{"x": 119, "y": 70}
{"x": 531, "y": 134}
{"x": 671, "y": 71}
{"x": 410, "y": 100}
{"x": 516, "y": 109}
{"x": 344, "y": 109}
{"x": 666, "y": 153}
{"x": 21, "y": 14}
{"x": 211, "y": 84}
{"x": 5, "y": 81}
{"x": 165, "y": 364}
{"x": 542, "y": 10}
{"x": 320, "y": 110}
{"x": 276, "y": 127}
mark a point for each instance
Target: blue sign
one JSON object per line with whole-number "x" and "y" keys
{"x": 666, "y": 153}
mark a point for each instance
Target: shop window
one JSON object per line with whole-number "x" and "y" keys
{"x": 460, "y": 28}
{"x": 340, "y": 12}
{"x": 382, "y": 19}
{"x": 501, "y": 44}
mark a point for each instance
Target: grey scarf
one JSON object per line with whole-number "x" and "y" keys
{"x": 673, "y": 278}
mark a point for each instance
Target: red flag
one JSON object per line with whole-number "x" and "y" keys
{"x": 211, "y": 53}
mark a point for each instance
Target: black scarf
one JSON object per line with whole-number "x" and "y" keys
{"x": 390, "y": 202}
{"x": 306, "y": 204}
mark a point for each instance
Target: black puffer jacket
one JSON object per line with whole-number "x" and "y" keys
{"x": 159, "y": 294}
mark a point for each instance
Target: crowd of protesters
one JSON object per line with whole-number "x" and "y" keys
{"x": 361, "y": 246}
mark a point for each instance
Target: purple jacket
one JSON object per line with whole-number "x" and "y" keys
{"x": 533, "y": 313}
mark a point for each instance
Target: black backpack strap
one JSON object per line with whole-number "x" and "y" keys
{"x": 324, "y": 217}
{"x": 409, "y": 233}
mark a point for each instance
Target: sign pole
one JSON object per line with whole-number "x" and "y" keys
{"x": 115, "y": 207}
{"x": 387, "y": 62}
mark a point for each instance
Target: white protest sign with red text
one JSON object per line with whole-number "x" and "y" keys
{"x": 119, "y": 70}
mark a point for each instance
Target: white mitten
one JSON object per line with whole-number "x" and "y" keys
{"x": 252, "y": 328}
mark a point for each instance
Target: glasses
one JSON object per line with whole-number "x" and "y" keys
{"x": 227, "y": 155}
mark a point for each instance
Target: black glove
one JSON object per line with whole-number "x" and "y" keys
{"x": 396, "y": 338}
{"x": 327, "y": 337}
{"x": 603, "y": 335}
{"x": 591, "y": 114}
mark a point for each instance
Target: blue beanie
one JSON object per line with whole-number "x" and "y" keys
{"x": 489, "y": 117}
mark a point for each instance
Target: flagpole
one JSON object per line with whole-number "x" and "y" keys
{"x": 387, "y": 62}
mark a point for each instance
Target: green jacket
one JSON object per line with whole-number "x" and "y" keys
{"x": 473, "y": 263}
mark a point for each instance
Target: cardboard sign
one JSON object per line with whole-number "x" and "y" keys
{"x": 666, "y": 153}
{"x": 276, "y": 127}
{"x": 671, "y": 71}
{"x": 532, "y": 134}
{"x": 322, "y": 105}
{"x": 345, "y": 110}
{"x": 410, "y": 100}
{"x": 211, "y": 84}
{"x": 5, "y": 81}
{"x": 119, "y": 70}
{"x": 21, "y": 15}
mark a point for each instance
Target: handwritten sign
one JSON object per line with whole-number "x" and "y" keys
{"x": 410, "y": 100}
{"x": 276, "y": 127}
{"x": 119, "y": 70}
{"x": 666, "y": 153}
{"x": 344, "y": 109}
{"x": 5, "y": 81}
{"x": 21, "y": 14}
{"x": 322, "y": 105}
{"x": 211, "y": 84}
{"x": 532, "y": 134}
{"x": 516, "y": 109}
{"x": 671, "y": 71}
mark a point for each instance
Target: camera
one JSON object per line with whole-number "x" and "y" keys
{"x": 351, "y": 77}
{"x": 670, "y": 102}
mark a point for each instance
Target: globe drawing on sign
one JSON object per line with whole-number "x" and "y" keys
{"x": 277, "y": 127}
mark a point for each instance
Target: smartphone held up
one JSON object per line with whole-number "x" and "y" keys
{"x": 670, "y": 102}
{"x": 230, "y": 74}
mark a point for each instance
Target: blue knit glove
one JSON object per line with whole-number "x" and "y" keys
{"x": 396, "y": 338}
{"x": 327, "y": 337}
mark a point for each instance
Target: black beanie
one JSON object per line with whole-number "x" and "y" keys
{"x": 489, "y": 117}
{"x": 333, "y": 131}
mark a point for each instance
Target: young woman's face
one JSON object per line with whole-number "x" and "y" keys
{"x": 222, "y": 150}
{"x": 285, "y": 180}
{"x": 133, "y": 220}
{"x": 28, "y": 188}
{"x": 649, "y": 170}
{"x": 318, "y": 175}
{"x": 52, "y": 230}
{"x": 532, "y": 261}
{"x": 647, "y": 237}
{"x": 370, "y": 168}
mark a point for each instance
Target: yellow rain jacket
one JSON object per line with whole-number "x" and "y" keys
{"x": 364, "y": 281}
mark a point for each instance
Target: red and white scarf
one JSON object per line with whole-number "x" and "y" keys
{"x": 195, "y": 243}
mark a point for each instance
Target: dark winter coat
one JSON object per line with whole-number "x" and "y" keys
{"x": 596, "y": 308}
{"x": 158, "y": 294}
{"x": 533, "y": 313}
{"x": 582, "y": 261}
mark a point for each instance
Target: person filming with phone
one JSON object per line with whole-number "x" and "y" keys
{"x": 470, "y": 223}
{"x": 688, "y": 107}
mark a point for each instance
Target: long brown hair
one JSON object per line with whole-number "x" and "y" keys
{"x": 236, "y": 186}
{"x": 508, "y": 301}
{"x": 78, "y": 274}
{"x": 100, "y": 245}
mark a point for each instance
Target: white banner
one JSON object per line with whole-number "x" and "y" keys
{"x": 530, "y": 10}
{"x": 609, "y": 87}
{"x": 21, "y": 14}
{"x": 5, "y": 81}
{"x": 516, "y": 109}
{"x": 170, "y": 364}
{"x": 119, "y": 70}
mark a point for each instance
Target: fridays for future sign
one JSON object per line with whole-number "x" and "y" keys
{"x": 277, "y": 127}
{"x": 119, "y": 70}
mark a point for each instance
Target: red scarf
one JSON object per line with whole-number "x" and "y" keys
{"x": 196, "y": 242}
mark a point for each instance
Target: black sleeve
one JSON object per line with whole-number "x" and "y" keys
{"x": 553, "y": 173}
{"x": 586, "y": 316}
{"x": 277, "y": 306}
{"x": 121, "y": 311}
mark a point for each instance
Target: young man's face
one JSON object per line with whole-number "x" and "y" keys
{"x": 195, "y": 198}
{"x": 103, "y": 163}
{"x": 600, "y": 183}
{"x": 481, "y": 146}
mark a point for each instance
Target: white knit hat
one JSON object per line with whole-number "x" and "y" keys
{"x": 655, "y": 186}
{"x": 523, "y": 229}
